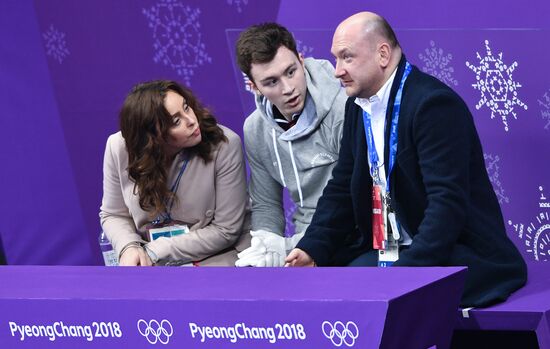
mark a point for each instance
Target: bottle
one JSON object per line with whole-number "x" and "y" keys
{"x": 109, "y": 255}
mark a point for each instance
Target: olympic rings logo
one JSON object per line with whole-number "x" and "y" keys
{"x": 155, "y": 331}
{"x": 341, "y": 334}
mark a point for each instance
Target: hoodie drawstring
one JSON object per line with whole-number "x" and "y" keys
{"x": 278, "y": 158}
{"x": 274, "y": 138}
{"x": 296, "y": 174}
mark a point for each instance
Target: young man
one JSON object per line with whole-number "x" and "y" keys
{"x": 292, "y": 139}
{"x": 411, "y": 168}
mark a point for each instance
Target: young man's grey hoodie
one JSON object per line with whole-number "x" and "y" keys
{"x": 301, "y": 158}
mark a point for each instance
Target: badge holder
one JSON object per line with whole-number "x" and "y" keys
{"x": 387, "y": 257}
{"x": 166, "y": 229}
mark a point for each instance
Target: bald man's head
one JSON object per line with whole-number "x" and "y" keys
{"x": 367, "y": 52}
{"x": 369, "y": 25}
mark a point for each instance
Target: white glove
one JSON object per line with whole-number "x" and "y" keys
{"x": 267, "y": 249}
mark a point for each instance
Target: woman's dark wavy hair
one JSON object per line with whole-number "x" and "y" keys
{"x": 144, "y": 123}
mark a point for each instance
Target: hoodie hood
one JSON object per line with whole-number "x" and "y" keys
{"x": 300, "y": 159}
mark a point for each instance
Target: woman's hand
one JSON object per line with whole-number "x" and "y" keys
{"x": 135, "y": 256}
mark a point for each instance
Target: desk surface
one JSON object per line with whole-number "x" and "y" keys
{"x": 98, "y": 307}
{"x": 67, "y": 282}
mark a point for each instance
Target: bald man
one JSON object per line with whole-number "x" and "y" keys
{"x": 410, "y": 187}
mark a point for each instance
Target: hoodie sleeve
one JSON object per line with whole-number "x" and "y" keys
{"x": 265, "y": 192}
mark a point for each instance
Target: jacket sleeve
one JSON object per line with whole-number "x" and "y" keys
{"x": 442, "y": 132}
{"x": 333, "y": 219}
{"x": 115, "y": 217}
{"x": 265, "y": 192}
{"x": 227, "y": 223}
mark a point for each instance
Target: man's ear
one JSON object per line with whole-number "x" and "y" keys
{"x": 253, "y": 87}
{"x": 301, "y": 58}
{"x": 384, "y": 51}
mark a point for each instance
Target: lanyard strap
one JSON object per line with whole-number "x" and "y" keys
{"x": 371, "y": 147}
{"x": 176, "y": 184}
{"x": 166, "y": 215}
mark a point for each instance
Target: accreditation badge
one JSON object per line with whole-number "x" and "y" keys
{"x": 378, "y": 226}
{"x": 166, "y": 229}
{"x": 388, "y": 256}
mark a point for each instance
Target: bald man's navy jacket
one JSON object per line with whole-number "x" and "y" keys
{"x": 439, "y": 188}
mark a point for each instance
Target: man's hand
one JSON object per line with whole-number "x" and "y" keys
{"x": 135, "y": 256}
{"x": 298, "y": 258}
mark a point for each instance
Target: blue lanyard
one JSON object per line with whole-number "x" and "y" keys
{"x": 176, "y": 184}
{"x": 371, "y": 147}
{"x": 166, "y": 216}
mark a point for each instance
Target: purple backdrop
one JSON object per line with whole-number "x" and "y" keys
{"x": 65, "y": 67}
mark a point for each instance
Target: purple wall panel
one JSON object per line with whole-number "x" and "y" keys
{"x": 81, "y": 58}
{"x": 320, "y": 14}
{"x": 41, "y": 217}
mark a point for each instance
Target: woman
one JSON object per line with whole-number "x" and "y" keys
{"x": 172, "y": 167}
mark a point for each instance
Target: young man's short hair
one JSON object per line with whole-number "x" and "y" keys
{"x": 259, "y": 44}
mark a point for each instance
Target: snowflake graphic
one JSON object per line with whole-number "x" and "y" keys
{"x": 56, "y": 47}
{"x": 239, "y": 4}
{"x": 436, "y": 63}
{"x": 545, "y": 109}
{"x": 493, "y": 169}
{"x": 497, "y": 87}
{"x": 304, "y": 50}
{"x": 177, "y": 39}
{"x": 535, "y": 234}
